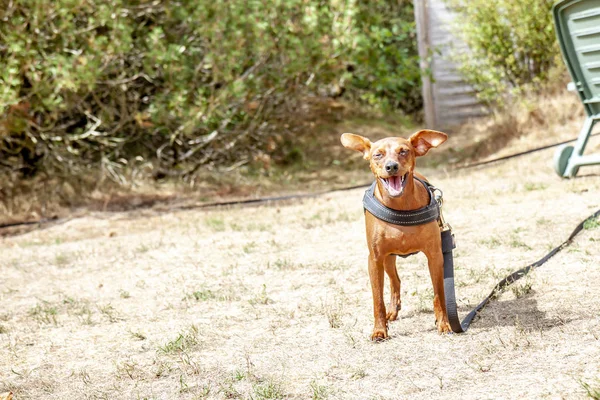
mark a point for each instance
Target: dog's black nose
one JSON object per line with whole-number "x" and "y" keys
{"x": 391, "y": 167}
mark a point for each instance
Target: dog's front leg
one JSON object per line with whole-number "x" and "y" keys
{"x": 435, "y": 261}
{"x": 392, "y": 272}
{"x": 376, "y": 276}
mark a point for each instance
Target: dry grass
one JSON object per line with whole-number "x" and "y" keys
{"x": 530, "y": 122}
{"x": 274, "y": 302}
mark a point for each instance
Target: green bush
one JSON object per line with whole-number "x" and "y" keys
{"x": 176, "y": 85}
{"x": 385, "y": 54}
{"x": 512, "y": 44}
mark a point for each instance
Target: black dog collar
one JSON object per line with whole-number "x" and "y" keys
{"x": 423, "y": 215}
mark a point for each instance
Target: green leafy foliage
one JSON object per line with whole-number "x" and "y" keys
{"x": 512, "y": 44}
{"x": 175, "y": 85}
{"x": 387, "y": 63}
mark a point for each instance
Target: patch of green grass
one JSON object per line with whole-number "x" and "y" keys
{"x": 249, "y": 247}
{"x": 531, "y": 186}
{"x": 138, "y": 335}
{"x": 45, "y": 313}
{"x": 3, "y": 329}
{"x": 516, "y": 242}
{"x": 204, "y": 391}
{"x": 84, "y": 313}
{"x": 499, "y": 273}
{"x": 185, "y": 340}
{"x": 358, "y": 373}
{"x": 249, "y": 227}
{"x": 191, "y": 367}
{"x": 202, "y": 295}
{"x": 477, "y": 275}
{"x": 207, "y": 295}
{"x": 591, "y": 223}
{"x": 79, "y": 308}
{"x": 261, "y": 297}
{"x": 275, "y": 245}
{"x": 227, "y": 389}
{"x": 326, "y": 217}
{"x": 543, "y": 221}
{"x": 285, "y": 264}
{"x": 142, "y": 248}
{"x": 110, "y": 312}
{"x": 62, "y": 260}
{"x": 228, "y": 270}
{"x": 425, "y": 298}
{"x": 330, "y": 265}
{"x": 319, "y": 392}
{"x": 344, "y": 217}
{"x": 162, "y": 368}
{"x": 239, "y": 375}
{"x": 125, "y": 369}
{"x": 183, "y": 386}
{"x": 316, "y": 216}
{"x": 592, "y": 390}
{"x": 522, "y": 287}
{"x": 267, "y": 390}
{"x": 216, "y": 224}
{"x": 492, "y": 242}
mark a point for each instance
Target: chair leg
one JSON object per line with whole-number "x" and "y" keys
{"x": 582, "y": 139}
{"x": 584, "y": 135}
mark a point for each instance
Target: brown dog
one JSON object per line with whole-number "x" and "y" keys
{"x": 392, "y": 161}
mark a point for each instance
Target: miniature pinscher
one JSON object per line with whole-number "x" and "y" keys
{"x": 392, "y": 161}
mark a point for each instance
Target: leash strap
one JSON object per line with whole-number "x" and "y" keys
{"x": 448, "y": 245}
{"x": 430, "y": 212}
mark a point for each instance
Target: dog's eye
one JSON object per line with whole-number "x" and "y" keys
{"x": 377, "y": 156}
{"x": 403, "y": 152}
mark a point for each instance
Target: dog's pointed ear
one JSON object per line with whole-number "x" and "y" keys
{"x": 358, "y": 143}
{"x": 425, "y": 139}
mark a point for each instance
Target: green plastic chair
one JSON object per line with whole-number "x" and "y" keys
{"x": 578, "y": 30}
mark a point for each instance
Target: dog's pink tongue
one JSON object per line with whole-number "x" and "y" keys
{"x": 395, "y": 185}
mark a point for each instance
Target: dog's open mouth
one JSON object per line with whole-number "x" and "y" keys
{"x": 395, "y": 184}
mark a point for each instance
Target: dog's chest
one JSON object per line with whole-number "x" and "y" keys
{"x": 388, "y": 238}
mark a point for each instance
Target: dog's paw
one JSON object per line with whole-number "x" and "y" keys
{"x": 444, "y": 327}
{"x": 392, "y": 315}
{"x": 379, "y": 335}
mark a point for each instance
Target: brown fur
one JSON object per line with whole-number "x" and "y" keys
{"x": 384, "y": 239}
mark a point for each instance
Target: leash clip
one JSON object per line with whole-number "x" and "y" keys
{"x": 439, "y": 198}
{"x": 438, "y": 195}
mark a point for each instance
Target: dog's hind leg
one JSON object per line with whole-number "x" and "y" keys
{"x": 395, "y": 303}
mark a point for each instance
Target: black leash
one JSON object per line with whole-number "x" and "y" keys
{"x": 25, "y": 223}
{"x": 448, "y": 245}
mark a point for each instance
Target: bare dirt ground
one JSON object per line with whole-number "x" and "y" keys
{"x": 274, "y": 301}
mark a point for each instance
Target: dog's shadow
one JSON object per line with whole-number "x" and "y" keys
{"x": 522, "y": 312}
